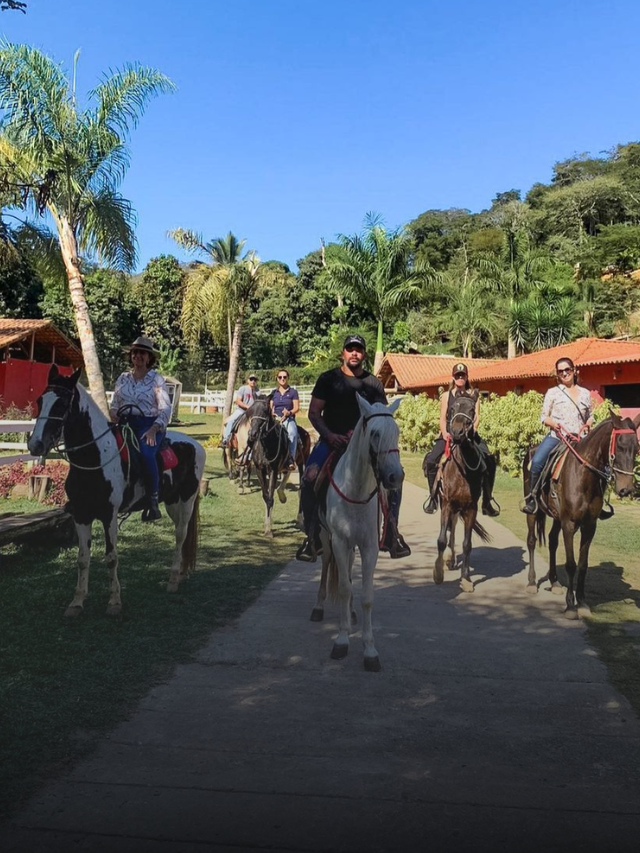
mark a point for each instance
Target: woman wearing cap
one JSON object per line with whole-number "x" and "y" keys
{"x": 567, "y": 407}
{"x": 459, "y": 384}
{"x": 245, "y": 397}
{"x": 285, "y": 404}
{"x": 145, "y": 390}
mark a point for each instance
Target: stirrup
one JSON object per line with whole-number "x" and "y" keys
{"x": 530, "y": 506}
{"x": 306, "y": 553}
{"x": 430, "y": 505}
{"x": 489, "y": 509}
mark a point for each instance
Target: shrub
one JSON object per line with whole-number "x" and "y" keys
{"x": 419, "y": 422}
{"x": 510, "y": 425}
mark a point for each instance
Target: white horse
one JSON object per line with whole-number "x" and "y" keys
{"x": 351, "y": 520}
{"x": 99, "y": 489}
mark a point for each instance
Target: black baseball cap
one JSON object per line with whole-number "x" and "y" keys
{"x": 354, "y": 339}
{"x": 460, "y": 368}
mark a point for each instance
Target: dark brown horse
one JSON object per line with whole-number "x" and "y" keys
{"x": 269, "y": 446}
{"x": 606, "y": 455}
{"x": 461, "y": 488}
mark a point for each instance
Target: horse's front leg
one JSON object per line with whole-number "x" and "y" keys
{"x": 369, "y": 557}
{"x": 469, "y": 518}
{"x": 554, "y": 538}
{"x": 532, "y": 586}
{"x": 342, "y": 556}
{"x": 114, "y": 608}
{"x": 568, "y": 532}
{"x": 445, "y": 518}
{"x": 451, "y": 560}
{"x": 282, "y": 495}
{"x": 586, "y": 537}
{"x": 317, "y": 614}
{"x": 84, "y": 558}
{"x": 180, "y": 513}
{"x": 268, "y": 480}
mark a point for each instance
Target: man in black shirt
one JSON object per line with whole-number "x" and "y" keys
{"x": 334, "y": 413}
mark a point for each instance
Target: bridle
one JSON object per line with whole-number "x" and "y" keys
{"x": 467, "y": 432}
{"x": 261, "y": 433}
{"x": 374, "y": 463}
{"x": 569, "y": 438}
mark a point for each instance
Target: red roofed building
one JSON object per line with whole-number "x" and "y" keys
{"x": 28, "y": 348}
{"x": 608, "y": 369}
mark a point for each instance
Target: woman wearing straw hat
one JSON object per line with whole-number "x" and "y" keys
{"x": 145, "y": 391}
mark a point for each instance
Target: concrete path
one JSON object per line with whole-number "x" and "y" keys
{"x": 491, "y": 727}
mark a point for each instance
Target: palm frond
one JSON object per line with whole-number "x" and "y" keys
{"x": 123, "y": 95}
{"x": 106, "y": 224}
{"x": 187, "y": 239}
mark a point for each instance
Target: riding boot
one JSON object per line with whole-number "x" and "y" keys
{"x": 152, "y": 513}
{"x": 311, "y": 547}
{"x": 393, "y": 540}
{"x": 431, "y": 504}
{"x": 487, "y": 489}
{"x": 531, "y": 503}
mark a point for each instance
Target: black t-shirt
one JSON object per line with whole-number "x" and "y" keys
{"x": 341, "y": 412}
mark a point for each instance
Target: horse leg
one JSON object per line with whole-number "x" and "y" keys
{"x": 469, "y": 518}
{"x": 369, "y": 557}
{"x": 532, "y": 586}
{"x": 568, "y": 532}
{"x": 114, "y": 608}
{"x": 300, "y": 518}
{"x": 268, "y": 489}
{"x": 180, "y": 514}
{"x": 354, "y": 615}
{"x": 445, "y": 519}
{"x": 451, "y": 560}
{"x": 282, "y": 496}
{"x": 317, "y": 614}
{"x": 84, "y": 558}
{"x": 554, "y": 536}
{"x": 586, "y": 537}
{"x": 341, "y": 554}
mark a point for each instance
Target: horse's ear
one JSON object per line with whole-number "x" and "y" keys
{"x": 393, "y": 406}
{"x": 53, "y": 373}
{"x": 73, "y": 379}
{"x": 636, "y": 421}
{"x": 364, "y": 405}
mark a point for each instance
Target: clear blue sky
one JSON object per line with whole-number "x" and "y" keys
{"x": 294, "y": 118}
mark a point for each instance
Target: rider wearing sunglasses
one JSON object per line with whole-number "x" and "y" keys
{"x": 334, "y": 413}
{"x": 459, "y": 384}
{"x": 567, "y": 407}
{"x": 245, "y": 397}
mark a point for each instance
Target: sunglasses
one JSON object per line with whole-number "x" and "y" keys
{"x": 283, "y": 376}
{"x": 459, "y": 375}
{"x": 354, "y": 348}
{"x": 564, "y": 370}
{"x": 139, "y": 352}
{"x": 253, "y": 379}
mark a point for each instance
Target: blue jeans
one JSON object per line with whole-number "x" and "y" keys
{"x": 542, "y": 453}
{"x": 140, "y": 425}
{"x": 228, "y": 427}
{"x": 292, "y": 431}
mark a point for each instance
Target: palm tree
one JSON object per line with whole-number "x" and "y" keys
{"x": 218, "y": 294}
{"x": 375, "y": 271}
{"x": 71, "y": 162}
{"x": 470, "y": 314}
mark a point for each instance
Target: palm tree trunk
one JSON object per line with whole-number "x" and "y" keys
{"x": 511, "y": 347}
{"x": 69, "y": 250}
{"x": 377, "y": 364}
{"x": 234, "y": 361}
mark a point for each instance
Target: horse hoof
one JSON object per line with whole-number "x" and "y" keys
{"x": 466, "y": 585}
{"x": 268, "y": 534}
{"x": 282, "y": 497}
{"x": 114, "y": 610}
{"x": 372, "y": 664}
{"x": 73, "y": 610}
{"x": 339, "y": 652}
{"x": 172, "y": 586}
{"x": 556, "y": 588}
{"x": 438, "y": 572}
{"x": 532, "y": 588}
{"x": 584, "y": 610}
{"x": 571, "y": 613}
{"x": 317, "y": 614}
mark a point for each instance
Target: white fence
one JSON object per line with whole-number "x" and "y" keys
{"x": 21, "y": 427}
{"x": 197, "y": 404}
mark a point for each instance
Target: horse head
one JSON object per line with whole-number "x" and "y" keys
{"x": 378, "y": 422}
{"x": 258, "y": 416}
{"x": 463, "y": 415}
{"x": 623, "y": 449}
{"x": 54, "y": 406}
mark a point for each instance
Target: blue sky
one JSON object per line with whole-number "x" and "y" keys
{"x": 294, "y": 118}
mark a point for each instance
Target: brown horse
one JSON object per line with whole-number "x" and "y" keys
{"x": 606, "y": 455}
{"x": 461, "y": 488}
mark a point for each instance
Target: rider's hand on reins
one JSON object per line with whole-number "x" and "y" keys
{"x": 337, "y": 441}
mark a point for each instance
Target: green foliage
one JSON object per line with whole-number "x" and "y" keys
{"x": 20, "y": 288}
{"x": 419, "y": 422}
{"x": 158, "y": 297}
{"x": 510, "y": 425}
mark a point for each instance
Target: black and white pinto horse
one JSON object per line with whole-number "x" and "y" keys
{"x": 99, "y": 489}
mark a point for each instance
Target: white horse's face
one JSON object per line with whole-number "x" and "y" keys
{"x": 383, "y": 443}
{"x": 53, "y": 408}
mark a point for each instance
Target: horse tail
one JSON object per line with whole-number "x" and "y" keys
{"x": 190, "y": 544}
{"x": 482, "y": 533}
{"x": 541, "y": 521}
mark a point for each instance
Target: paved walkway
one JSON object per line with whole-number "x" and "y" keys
{"x": 491, "y": 727}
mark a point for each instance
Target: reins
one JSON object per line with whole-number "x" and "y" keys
{"x": 568, "y": 439}
{"x": 365, "y": 420}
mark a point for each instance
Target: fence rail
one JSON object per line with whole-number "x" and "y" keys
{"x": 13, "y": 427}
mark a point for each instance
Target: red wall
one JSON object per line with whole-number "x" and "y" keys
{"x": 22, "y": 382}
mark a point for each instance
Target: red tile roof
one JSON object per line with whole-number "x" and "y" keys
{"x": 13, "y": 330}
{"x": 415, "y": 371}
{"x": 431, "y": 372}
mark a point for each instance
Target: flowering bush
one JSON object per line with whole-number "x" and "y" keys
{"x": 13, "y": 413}
{"x": 18, "y": 474}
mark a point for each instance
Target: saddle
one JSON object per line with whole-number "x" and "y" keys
{"x": 131, "y": 458}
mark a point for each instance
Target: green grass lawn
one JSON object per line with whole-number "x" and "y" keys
{"x": 63, "y": 682}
